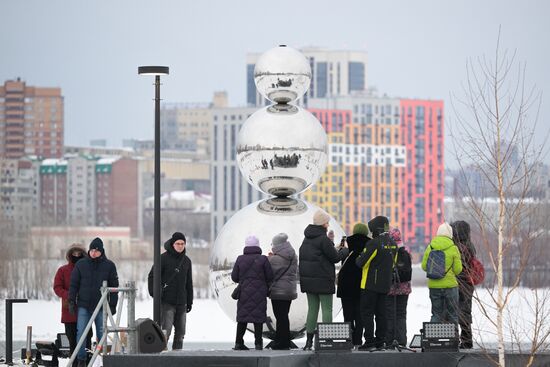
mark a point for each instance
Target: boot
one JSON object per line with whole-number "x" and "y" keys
{"x": 309, "y": 341}
{"x": 240, "y": 346}
{"x": 177, "y": 344}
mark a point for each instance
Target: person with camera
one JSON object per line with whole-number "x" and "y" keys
{"x": 376, "y": 262}
{"x": 349, "y": 281}
{"x": 317, "y": 272}
{"x": 176, "y": 276}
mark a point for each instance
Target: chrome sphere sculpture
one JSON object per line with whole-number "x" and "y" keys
{"x": 282, "y": 74}
{"x": 281, "y": 150}
{"x": 264, "y": 219}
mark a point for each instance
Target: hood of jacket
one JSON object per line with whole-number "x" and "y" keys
{"x": 441, "y": 243}
{"x": 445, "y": 230}
{"x": 73, "y": 247}
{"x": 168, "y": 246}
{"x": 378, "y": 225}
{"x": 313, "y": 231}
{"x": 285, "y": 250}
{"x": 252, "y": 250}
{"x": 356, "y": 242}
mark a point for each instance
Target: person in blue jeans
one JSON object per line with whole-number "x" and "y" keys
{"x": 85, "y": 291}
{"x": 444, "y": 291}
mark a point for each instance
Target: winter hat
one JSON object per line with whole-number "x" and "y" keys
{"x": 178, "y": 236}
{"x": 252, "y": 241}
{"x": 320, "y": 218}
{"x": 361, "y": 228}
{"x": 378, "y": 225}
{"x": 279, "y": 239}
{"x": 445, "y": 230}
{"x": 395, "y": 235}
{"x": 96, "y": 244}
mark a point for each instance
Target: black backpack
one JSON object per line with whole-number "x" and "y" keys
{"x": 402, "y": 265}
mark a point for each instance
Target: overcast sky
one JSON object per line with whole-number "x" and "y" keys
{"x": 91, "y": 49}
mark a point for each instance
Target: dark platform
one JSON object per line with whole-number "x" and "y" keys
{"x": 298, "y": 358}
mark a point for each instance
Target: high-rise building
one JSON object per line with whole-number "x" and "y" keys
{"x": 31, "y": 121}
{"x": 117, "y": 193}
{"x": 333, "y": 73}
{"x": 53, "y": 191}
{"x": 81, "y": 190}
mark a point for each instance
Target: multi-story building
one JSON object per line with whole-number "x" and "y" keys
{"x": 53, "y": 191}
{"x": 366, "y": 158}
{"x": 31, "y": 120}
{"x": 423, "y": 182}
{"x": 81, "y": 190}
{"x": 118, "y": 202}
{"x": 334, "y": 73}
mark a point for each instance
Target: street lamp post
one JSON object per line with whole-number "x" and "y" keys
{"x": 157, "y": 71}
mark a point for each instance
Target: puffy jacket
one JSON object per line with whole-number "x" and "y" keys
{"x": 176, "y": 276}
{"x": 284, "y": 264}
{"x": 317, "y": 259}
{"x": 376, "y": 262}
{"x": 87, "y": 278}
{"x": 452, "y": 262}
{"x": 62, "y": 284}
{"x": 349, "y": 276}
{"x": 253, "y": 272}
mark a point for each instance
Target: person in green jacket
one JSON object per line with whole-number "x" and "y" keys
{"x": 444, "y": 291}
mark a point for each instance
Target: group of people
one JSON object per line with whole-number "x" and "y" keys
{"x": 373, "y": 284}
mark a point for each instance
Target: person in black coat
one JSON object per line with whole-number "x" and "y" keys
{"x": 349, "y": 281}
{"x": 376, "y": 263}
{"x": 176, "y": 276}
{"x": 254, "y": 274}
{"x": 461, "y": 238}
{"x": 316, "y": 267}
{"x": 85, "y": 290}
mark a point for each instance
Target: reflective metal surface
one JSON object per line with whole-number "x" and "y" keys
{"x": 264, "y": 219}
{"x": 282, "y": 150}
{"x": 282, "y": 74}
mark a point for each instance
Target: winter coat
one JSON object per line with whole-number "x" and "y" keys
{"x": 376, "y": 263}
{"x": 62, "y": 283}
{"x": 176, "y": 276}
{"x": 453, "y": 264}
{"x": 253, "y": 272}
{"x": 87, "y": 278}
{"x": 349, "y": 276}
{"x": 461, "y": 238}
{"x": 284, "y": 276}
{"x": 402, "y": 288}
{"x": 317, "y": 259}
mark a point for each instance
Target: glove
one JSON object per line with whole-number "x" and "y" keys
{"x": 113, "y": 309}
{"x": 189, "y": 308}
{"x": 72, "y": 308}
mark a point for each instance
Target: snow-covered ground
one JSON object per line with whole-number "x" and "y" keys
{"x": 207, "y": 323}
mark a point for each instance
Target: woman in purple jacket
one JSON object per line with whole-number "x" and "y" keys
{"x": 253, "y": 272}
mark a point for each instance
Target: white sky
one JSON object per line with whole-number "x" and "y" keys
{"x": 91, "y": 49}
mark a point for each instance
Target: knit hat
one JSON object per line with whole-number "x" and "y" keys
{"x": 252, "y": 241}
{"x": 97, "y": 244}
{"x": 445, "y": 230}
{"x": 320, "y": 218}
{"x": 378, "y": 225}
{"x": 361, "y": 228}
{"x": 279, "y": 239}
{"x": 178, "y": 236}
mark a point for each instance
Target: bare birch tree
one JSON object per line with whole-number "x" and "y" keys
{"x": 494, "y": 138}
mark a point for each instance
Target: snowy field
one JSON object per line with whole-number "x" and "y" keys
{"x": 208, "y": 324}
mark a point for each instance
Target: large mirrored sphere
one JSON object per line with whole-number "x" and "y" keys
{"x": 264, "y": 219}
{"x": 282, "y": 150}
{"x": 282, "y": 74}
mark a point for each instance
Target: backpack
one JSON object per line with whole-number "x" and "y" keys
{"x": 476, "y": 273}
{"x": 403, "y": 265}
{"x": 435, "y": 265}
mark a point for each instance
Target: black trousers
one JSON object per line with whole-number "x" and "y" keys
{"x": 70, "y": 331}
{"x": 396, "y": 315}
{"x": 352, "y": 314}
{"x": 373, "y": 306}
{"x": 282, "y": 331}
{"x": 465, "y": 294}
{"x": 241, "y": 329}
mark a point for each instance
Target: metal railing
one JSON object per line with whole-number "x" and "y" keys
{"x": 130, "y": 290}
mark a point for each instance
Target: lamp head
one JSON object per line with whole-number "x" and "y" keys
{"x": 153, "y": 70}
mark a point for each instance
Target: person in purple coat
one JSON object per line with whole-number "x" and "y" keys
{"x": 253, "y": 272}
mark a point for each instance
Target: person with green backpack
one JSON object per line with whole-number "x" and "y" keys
{"x": 442, "y": 263}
